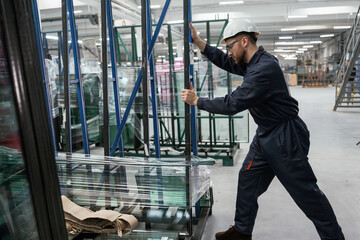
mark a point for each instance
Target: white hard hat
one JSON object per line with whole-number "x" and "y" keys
{"x": 239, "y": 25}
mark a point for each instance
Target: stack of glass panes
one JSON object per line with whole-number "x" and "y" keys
{"x": 91, "y": 90}
{"x": 153, "y": 191}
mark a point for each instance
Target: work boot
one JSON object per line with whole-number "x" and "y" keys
{"x": 232, "y": 234}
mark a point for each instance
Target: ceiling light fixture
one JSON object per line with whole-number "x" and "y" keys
{"x": 342, "y": 27}
{"x": 291, "y": 43}
{"x": 285, "y": 37}
{"x": 297, "y": 16}
{"x": 77, "y": 11}
{"x": 326, "y": 35}
{"x": 152, "y": 7}
{"x": 288, "y": 29}
{"x": 231, "y": 2}
{"x": 328, "y": 10}
{"x": 315, "y": 42}
{"x": 283, "y": 50}
{"x": 303, "y": 49}
{"x": 175, "y": 21}
{"x": 308, "y": 46}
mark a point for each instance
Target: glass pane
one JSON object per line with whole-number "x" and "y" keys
{"x": 17, "y": 220}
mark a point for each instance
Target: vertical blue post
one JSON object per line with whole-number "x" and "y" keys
{"x": 192, "y": 108}
{"x": 121, "y": 171}
{"x": 114, "y": 71}
{"x": 79, "y": 87}
{"x": 76, "y": 54}
{"x": 154, "y": 104}
{"x": 38, "y": 38}
{"x": 153, "y": 85}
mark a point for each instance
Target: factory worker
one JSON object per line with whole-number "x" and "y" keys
{"x": 281, "y": 143}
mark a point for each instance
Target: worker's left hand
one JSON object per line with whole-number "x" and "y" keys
{"x": 189, "y": 96}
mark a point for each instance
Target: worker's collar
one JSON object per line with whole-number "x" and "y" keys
{"x": 256, "y": 57}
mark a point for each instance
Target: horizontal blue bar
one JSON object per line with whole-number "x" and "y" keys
{"x": 74, "y": 81}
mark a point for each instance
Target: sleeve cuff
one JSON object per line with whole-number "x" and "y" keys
{"x": 200, "y": 103}
{"x": 206, "y": 50}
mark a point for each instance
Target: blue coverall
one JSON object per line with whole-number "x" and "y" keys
{"x": 280, "y": 146}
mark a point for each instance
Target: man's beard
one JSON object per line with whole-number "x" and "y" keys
{"x": 240, "y": 60}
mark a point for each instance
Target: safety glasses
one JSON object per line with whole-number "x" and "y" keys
{"x": 231, "y": 45}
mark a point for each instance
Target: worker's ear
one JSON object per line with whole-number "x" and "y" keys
{"x": 246, "y": 41}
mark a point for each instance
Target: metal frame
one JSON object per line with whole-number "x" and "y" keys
{"x": 352, "y": 47}
{"x": 25, "y": 65}
{"x": 214, "y": 148}
{"x": 44, "y": 75}
{"x": 137, "y": 84}
{"x": 68, "y": 15}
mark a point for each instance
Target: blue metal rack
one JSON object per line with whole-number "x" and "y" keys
{"x": 138, "y": 80}
{"x": 114, "y": 79}
{"x": 44, "y": 78}
{"x": 68, "y": 17}
{"x": 78, "y": 80}
{"x": 153, "y": 84}
{"x": 191, "y": 77}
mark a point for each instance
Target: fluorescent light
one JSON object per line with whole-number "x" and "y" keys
{"x": 315, "y": 42}
{"x": 291, "y": 58}
{"x": 52, "y": 37}
{"x": 283, "y": 50}
{"x": 287, "y": 47}
{"x": 290, "y": 43}
{"x": 303, "y": 49}
{"x": 213, "y": 45}
{"x": 326, "y": 35}
{"x": 77, "y": 11}
{"x": 342, "y": 27}
{"x": 299, "y": 51}
{"x": 288, "y": 29}
{"x": 152, "y": 6}
{"x": 175, "y": 21}
{"x": 297, "y": 16}
{"x": 231, "y": 2}
{"x": 308, "y": 46}
{"x": 328, "y": 10}
{"x": 285, "y": 37}
{"x": 98, "y": 44}
{"x": 312, "y": 27}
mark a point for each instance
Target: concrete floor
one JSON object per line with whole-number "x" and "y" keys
{"x": 335, "y": 159}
